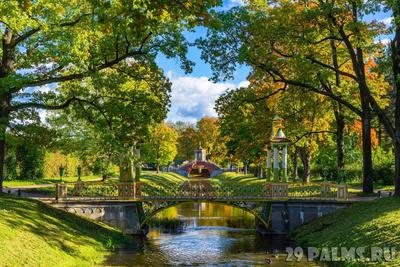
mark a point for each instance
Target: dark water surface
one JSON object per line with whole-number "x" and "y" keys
{"x": 212, "y": 235}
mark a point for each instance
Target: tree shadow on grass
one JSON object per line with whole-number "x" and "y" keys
{"x": 364, "y": 224}
{"x": 58, "y": 228}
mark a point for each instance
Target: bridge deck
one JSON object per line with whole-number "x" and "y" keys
{"x": 97, "y": 191}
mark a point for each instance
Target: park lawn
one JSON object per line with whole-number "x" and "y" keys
{"x": 162, "y": 177}
{"x": 33, "y": 234}
{"x": 364, "y": 224}
{"x": 233, "y": 178}
{"x": 17, "y": 183}
{"x": 377, "y": 186}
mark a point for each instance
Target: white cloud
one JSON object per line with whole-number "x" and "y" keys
{"x": 387, "y": 21}
{"x": 233, "y": 3}
{"x": 194, "y": 97}
{"x": 385, "y": 41}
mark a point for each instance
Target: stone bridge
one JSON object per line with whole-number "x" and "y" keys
{"x": 277, "y": 207}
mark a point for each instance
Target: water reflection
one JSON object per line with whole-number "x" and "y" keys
{"x": 213, "y": 235}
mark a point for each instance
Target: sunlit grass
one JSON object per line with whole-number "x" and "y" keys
{"x": 162, "y": 177}
{"x": 364, "y": 224}
{"x": 33, "y": 234}
{"x": 233, "y": 178}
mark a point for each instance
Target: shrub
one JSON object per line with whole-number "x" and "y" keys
{"x": 383, "y": 166}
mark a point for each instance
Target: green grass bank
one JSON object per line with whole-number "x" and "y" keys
{"x": 364, "y": 224}
{"x": 33, "y": 234}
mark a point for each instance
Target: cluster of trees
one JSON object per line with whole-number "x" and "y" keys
{"x": 92, "y": 64}
{"x": 205, "y": 133}
{"x": 96, "y": 61}
{"x": 319, "y": 64}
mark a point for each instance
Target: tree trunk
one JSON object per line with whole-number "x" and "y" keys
{"x": 397, "y": 169}
{"x": 306, "y": 160}
{"x": 337, "y": 109}
{"x": 295, "y": 155}
{"x": 368, "y": 186}
{"x": 4, "y": 121}
{"x": 158, "y": 168}
{"x": 339, "y": 138}
{"x": 6, "y": 66}
{"x": 367, "y": 156}
{"x": 396, "y": 74}
{"x": 2, "y": 161}
{"x": 359, "y": 68}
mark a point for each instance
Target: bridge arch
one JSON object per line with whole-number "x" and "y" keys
{"x": 261, "y": 210}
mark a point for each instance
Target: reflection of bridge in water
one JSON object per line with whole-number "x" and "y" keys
{"x": 128, "y": 205}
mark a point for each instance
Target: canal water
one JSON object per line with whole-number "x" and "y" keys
{"x": 204, "y": 234}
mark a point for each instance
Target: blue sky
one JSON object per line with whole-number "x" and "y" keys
{"x": 193, "y": 95}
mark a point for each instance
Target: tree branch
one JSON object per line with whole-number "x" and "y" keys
{"x": 311, "y": 133}
{"x": 313, "y": 60}
{"x": 267, "y": 96}
{"x": 64, "y": 105}
{"x": 326, "y": 39}
{"x": 81, "y": 75}
{"x": 282, "y": 79}
{"x": 31, "y": 32}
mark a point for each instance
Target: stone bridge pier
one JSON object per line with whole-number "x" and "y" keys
{"x": 123, "y": 215}
{"x": 275, "y": 217}
{"x": 288, "y": 215}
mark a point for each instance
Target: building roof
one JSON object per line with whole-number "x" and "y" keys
{"x": 210, "y": 166}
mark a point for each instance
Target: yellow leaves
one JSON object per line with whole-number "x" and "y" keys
{"x": 27, "y": 4}
{"x": 106, "y": 29}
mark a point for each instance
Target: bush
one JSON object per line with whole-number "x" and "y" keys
{"x": 383, "y": 166}
{"x": 353, "y": 173}
{"x": 384, "y": 174}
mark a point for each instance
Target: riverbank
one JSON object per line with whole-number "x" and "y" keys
{"x": 33, "y": 234}
{"x": 364, "y": 224}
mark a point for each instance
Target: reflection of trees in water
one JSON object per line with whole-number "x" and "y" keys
{"x": 167, "y": 225}
{"x": 206, "y": 245}
{"x": 137, "y": 252}
{"x": 202, "y": 214}
{"x": 255, "y": 242}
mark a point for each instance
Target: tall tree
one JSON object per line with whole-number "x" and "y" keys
{"x": 118, "y": 109}
{"x": 210, "y": 138}
{"x": 245, "y": 123}
{"x": 294, "y": 49}
{"x": 187, "y": 143}
{"x": 160, "y": 147}
{"x": 46, "y": 42}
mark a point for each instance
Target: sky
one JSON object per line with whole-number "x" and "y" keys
{"x": 193, "y": 95}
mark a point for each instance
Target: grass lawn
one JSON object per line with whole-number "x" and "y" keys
{"x": 377, "y": 186}
{"x": 364, "y": 224}
{"x": 16, "y": 183}
{"x": 33, "y": 234}
{"x": 162, "y": 177}
{"x": 233, "y": 178}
